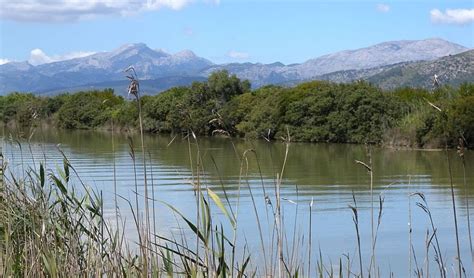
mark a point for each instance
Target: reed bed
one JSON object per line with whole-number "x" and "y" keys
{"x": 53, "y": 227}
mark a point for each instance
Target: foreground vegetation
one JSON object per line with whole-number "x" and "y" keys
{"x": 313, "y": 112}
{"x": 53, "y": 225}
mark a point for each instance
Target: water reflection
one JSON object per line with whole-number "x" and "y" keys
{"x": 325, "y": 173}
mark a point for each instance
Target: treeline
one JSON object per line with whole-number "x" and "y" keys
{"x": 313, "y": 112}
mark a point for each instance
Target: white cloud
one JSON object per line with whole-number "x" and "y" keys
{"x": 383, "y": 8}
{"x": 73, "y": 10}
{"x": 38, "y": 57}
{"x": 452, "y": 16}
{"x": 173, "y": 4}
{"x": 73, "y": 55}
{"x": 237, "y": 54}
{"x": 4, "y": 61}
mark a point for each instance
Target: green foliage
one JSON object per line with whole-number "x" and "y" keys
{"x": 460, "y": 119}
{"x": 412, "y": 95}
{"x": 21, "y": 108}
{"x": 316, "y": 111}
{"x": 88, "y": 109}
{"x": 224, "y": 86}
{"x": 266, "y": 113}
{"x": 53, "y": 104}
{"x": 125, "y": 114}
{"x": 235, "y": 111}
{"x": 466, "y": 90}
{"x": 429, "y": 127}
{"x": 321, "y": 112}
{"x": 165, "y": 112}
{"x": 193, "y": 108}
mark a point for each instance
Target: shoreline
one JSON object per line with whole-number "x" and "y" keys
{"x": 134, "y": 131}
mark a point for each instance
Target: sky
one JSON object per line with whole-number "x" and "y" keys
{"x": 222, "y": 31}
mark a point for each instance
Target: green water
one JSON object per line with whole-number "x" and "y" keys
{"x": 324, "y": 173}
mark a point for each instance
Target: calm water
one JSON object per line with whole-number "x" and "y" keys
{"x": 325, "y": 173}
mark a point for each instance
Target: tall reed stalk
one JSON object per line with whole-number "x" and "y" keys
{"x": 368, "y": 167}
{"x": 434, "y": 236}
{"x": 355, "y": 219}
{"x": 410, "y": 230}
{"x": 134, "y": 89}
{"x": 153, "y": 198}
{"x": 278, "y": 217}
{"x": 444, "y": 117}
{"x": 461, "y": 152}
{"x": 310, "y": 236}
{"x": 114, "y": 176}
{"x": 458, "y": 249}
{"x": 254, "y": 205}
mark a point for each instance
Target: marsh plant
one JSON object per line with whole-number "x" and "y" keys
{"x": 52, "y": 225}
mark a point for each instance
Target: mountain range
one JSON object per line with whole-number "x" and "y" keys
{"x": 388, "y": 64}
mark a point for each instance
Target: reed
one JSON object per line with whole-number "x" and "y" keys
{"x": 429, "y": 239}
{"x": 410, "y": 231}
{"x": 310, "y": 236}
{"x": 456, "y": 229}
{"x": 368, "y": 167}
{"x": 355, "y": 218}
{"x": 461, "y": 152}
{"x": 134, "y": 89}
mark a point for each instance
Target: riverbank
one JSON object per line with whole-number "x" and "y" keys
{"x": 224, "y": 105}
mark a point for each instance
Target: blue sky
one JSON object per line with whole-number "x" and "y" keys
{"x": 224, "y": 31}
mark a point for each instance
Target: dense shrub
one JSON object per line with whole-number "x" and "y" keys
{"x": 460, "y": 119}
{"x": 88, "y": 109}
{"x": 432, "y": 127}
{"x": 320, "y": 112}
{"x": 193, "y": 108}
{"x": 22, "y": 109}
{"x": 316, "y": 111}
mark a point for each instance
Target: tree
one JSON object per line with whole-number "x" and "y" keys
{"x": 224, "y": 86}
{"x": 85, "y": 110}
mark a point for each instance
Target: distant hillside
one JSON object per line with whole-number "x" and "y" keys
{"x": 376, "y": 56}
{"x": 452, "y": 70}
{"x": 381, "y": 54}
{"x": 147, "y": 87}
{"x": 345, "y": 76}
{"x": 102, "y": 69}
{"x": 389, "y": 64}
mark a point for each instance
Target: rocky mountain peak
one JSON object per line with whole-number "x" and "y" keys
{"x": 105, "y": 67}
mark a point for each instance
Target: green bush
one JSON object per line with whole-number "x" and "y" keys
{"x": 316, "y": 111}
{"x": 22, "y": 109}
{"x": 320, "y": 112}
{"x": 193, "y": 108}
{"x": 460, "y": 119}
{"x": 88, "y": 109}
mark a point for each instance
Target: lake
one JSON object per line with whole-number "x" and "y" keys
{"x": 323, "y": 173}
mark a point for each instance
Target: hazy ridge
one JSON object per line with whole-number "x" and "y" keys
{"x": 388, "y": 64}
